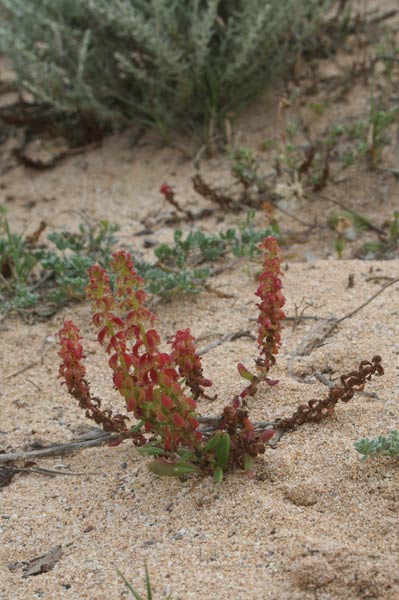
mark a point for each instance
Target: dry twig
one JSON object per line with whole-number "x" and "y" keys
{"x": 326, "y": 328}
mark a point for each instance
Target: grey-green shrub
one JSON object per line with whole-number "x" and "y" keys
{"x": 166, "y": 63}
{"x": 379, "y": 446}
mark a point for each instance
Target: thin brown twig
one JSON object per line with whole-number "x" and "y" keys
{"x": 226, "y": 267}
{"x": 329, "y": 325}
{"x": 303, "y": 318}
{"x": 384, "y": 16}
{"x": 227, "y": 337}
{"x": 309, "y": 226}
{"x": 51, "y": 472}
{"x": 25, "y": 368}
{"x": 357, "y": 309}
{"x": 210, "y": 424}
{"x": 219, "y": 293}
{"x": 378, "y": 278}
{"x": 60, "y": 449}
{"x": 295, "y": 318}
{"x": 42, "y": 280}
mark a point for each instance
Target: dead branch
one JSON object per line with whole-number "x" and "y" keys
{"x": 326, "y": 328}
{"x": 61, "y": 449}
{"x": 227, "y": 337}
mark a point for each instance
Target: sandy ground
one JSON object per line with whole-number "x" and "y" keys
{"x": 315, "y": 523}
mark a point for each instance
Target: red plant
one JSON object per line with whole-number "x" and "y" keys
{"x": 146, "y": 377}
{"x": 189, "y": 363}
{"x": 161, "y": 389}
{"x": 73, "y": 373}
{"x": 269, "y": 320}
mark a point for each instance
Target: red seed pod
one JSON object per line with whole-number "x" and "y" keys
{"x": 179, "y": 421}
{"x": 267, "y": 435}
{"x": 167, "y": 402}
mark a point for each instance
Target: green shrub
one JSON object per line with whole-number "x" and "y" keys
{"x": 154, "y": 62}
{"x": 380, "y": 446}
{"x": 56, "y": 272}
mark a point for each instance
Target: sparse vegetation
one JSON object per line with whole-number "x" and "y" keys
{"x": 32, "y": 273}
{"x": 388, "y": 244}
{"x": 55, "y": 272}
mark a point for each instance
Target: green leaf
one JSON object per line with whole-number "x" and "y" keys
{"x": 137, "y": 427}
{"x": 394, "y": 228}
{"x": 213, "y": 441}
{"x": 218, "y": 475}
{"x": 151, "y": 450}
{"x": 379, "y": 446}
{"x": 136, "y": 595}
{"x": 372, "y": 247}
{"x": 148, "y": 582}
{"x": 248, "y": 463}
{"x": 339, "y": 246}
{"x": 166, "y": 469}
{"x": 222, "y": 450}
{"x": 185, "y": 454}
{"x": 245, "y": 374}
{"x": 129, "y": 586}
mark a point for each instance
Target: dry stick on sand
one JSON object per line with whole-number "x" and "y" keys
{"x": 7, "y": 472}
{"x": 100, "y": 437}
{"x": 227, "y": 337}
{"x": 325, "y": 329}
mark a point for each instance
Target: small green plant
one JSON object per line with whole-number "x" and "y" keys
{"x": 161, "y": 389}
{"x": 349, "y": 223}
{"x": 148, "y": 586}
{"x": 268, "y": 145}
{"x": 245, "y": 167}
{"x": 32, "y": 273}
{"x": 199, "y": 247}
{"x": 319, "y": 108}
{"x": 76, "y": 252}
{"x": 378, "y": 135}
{"x": 184, "y": 266}
{"x": 364, "y": 138}
{"x": 379, "y": 446}
{"x": 16, "y": 262}
{"x": 388, "y": 244}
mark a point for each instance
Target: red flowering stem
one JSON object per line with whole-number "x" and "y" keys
{"x": 143, "y": 375}
{"x": 188, "y": 362}
{"x": 271, "y": 314}
{"x": 73, "y": 372}
{"x": 169, "y": 194}
{"x": 269, "y": 320}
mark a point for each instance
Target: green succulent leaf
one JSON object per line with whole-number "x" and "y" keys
{"x": 218, "y": 475}
{"x": 248, "y": 463}
{"x": 222, "y": 450}
{"x": 151, "y": 450}
{"x": 213, "y": 441}
{"x": 166, "y": 469}
{"x": 185, "y": 454}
